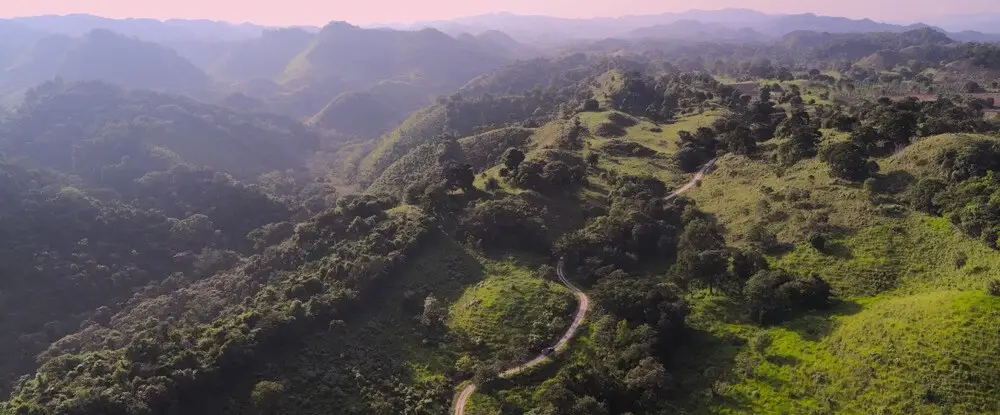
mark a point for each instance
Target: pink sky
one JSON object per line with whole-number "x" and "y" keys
{"x": 289, "y": 12}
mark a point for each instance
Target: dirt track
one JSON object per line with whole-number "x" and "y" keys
{"x": 584, "y": 303}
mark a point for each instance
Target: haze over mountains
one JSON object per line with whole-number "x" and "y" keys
{"x": 728, "y": 21}
{"x": 206, "y": 218}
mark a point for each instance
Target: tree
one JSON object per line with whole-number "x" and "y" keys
{"x": 761, "y": 238}
{"x": 512, "y": 158}
{"x": 591, "y": 105}
{"x": 773, "y": 295}
{"x": 461, "y": 177}
{"x": 593, "y": 158}
{"x": 739, "y": 141}
{"x": 434, "y": 312}
{"x": 266, "y": 395}
{"x": 922, "y": 194}
{"x": 803, "y": 138}
{"x": 848, "y": 162}
{"x": 748, "y": 263}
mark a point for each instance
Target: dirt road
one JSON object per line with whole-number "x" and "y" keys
{"x": 694, "y": 181}
{"x": 581, "y": 312}
{"x": 584, "y": 303}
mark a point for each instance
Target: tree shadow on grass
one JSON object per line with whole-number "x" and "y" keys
{"x": 838, "y": 250}
{"x": 699, "y": 364}
{"x": 893, "y": 182}
{"x": 817, "y": 325}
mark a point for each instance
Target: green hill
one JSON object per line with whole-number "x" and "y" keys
{"x": 513, "y": 312}
{"x": 420, "y": 127}
{"x": 930, "y": 353}
{"x": 481, "y": 151}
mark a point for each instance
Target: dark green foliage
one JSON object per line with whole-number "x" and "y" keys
{"x": 773, "y": 296}
{"x": 608, "y": 130}
{"x": 507, "y": 223}
{"x": 460, "y": 177}
{"x": 638, "y": 227}
{"x": 762, "y": 239}
{"x": 512, "y": 158}
{"x": 748, "y": 263}
{"x": 661, "y": 98}
{"x": 626, "y": 148}
{"x": 922, "y": 195}
{"x": 641, "y": 300}
{"x": 803, "y": 138}
{"x": 993, "y": 287}
{"x": 266, "y": 395}
{"x": 591, "y": 105}
{"x": 293, "y": 288}
{"x": 73, "y": 259}
{"x": 556, "y": 171}
{"x": 739, "y": 141}
{"x": 972, "y": 160}
{"x": 974, "y": 206}
{"x": 848, "y": 161}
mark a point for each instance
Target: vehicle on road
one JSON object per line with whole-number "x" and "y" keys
{"x": 548, "y": 351}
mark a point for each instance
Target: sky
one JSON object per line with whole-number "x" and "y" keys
{"x": 366, "y": 12}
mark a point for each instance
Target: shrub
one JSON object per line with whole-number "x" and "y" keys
{"x": 492, "y": 184}
{"x": 626, "y": 148}
{"x": 993, "y": 287}
{"x": 960, "y": 260}
{"x": 761, "y": 341}
{"x": 607, "y": 129}
{"x": 890, "y": 210}
{"x": 818, "y": 241}
{"x": 622, "y": 120}
{"x": 773, "y": 295}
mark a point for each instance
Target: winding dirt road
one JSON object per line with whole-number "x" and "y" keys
{"x": 584, "y": 303}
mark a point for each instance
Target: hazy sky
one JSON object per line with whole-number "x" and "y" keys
{"x": 316, "y": 12}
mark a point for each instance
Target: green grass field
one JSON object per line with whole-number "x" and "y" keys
{"x": 512, "y": 309}
{"x": 914, "y": 332}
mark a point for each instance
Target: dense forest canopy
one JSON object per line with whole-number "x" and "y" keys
{"x": 796, "y": 215}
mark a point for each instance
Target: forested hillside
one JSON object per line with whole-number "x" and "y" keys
{"x": 801, "y": 225}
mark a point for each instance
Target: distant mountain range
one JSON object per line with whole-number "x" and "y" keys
{"x": 726, "y": 24}
{"x": 146, "y": 29}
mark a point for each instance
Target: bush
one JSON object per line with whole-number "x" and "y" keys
{"x": 960, "y": 259}
{"x": 622, "y": 120}
{"x": 492, "y": 184}
{"x": 891, "y": 210}
{"x": 774, "y": 296}
{"x": 608, "y": 130}
{"x": 626, "y": 148}
{"x": 993, "y": 287}
{"x": 761, "y": 341}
